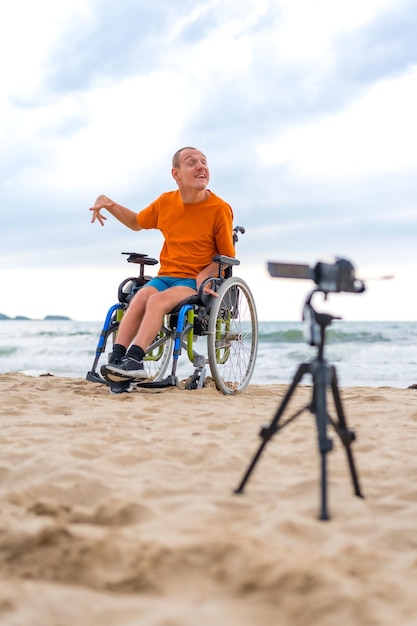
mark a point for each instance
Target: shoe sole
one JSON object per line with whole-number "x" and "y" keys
{"x": 123, "y": 387}
{"x": 119, "y": 377}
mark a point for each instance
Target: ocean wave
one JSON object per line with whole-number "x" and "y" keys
{"x": 333, "y": 335}
{"x": 366, "y": 353}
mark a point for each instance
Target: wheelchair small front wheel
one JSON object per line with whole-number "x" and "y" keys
{"x": 232, "y": 338}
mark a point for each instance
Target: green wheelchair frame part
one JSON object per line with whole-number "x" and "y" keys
{"x": 158, "y": 351}
{"x": 223, "y": 352}
{"x": 190, "y": 335}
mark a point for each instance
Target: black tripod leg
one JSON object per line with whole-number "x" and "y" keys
{"x": 346, "y": 435}
{"x": 268, "y": 431}
{"x": 320, "y": 382}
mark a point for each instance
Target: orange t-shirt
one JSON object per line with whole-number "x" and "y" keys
{"x": 194, "y": 233}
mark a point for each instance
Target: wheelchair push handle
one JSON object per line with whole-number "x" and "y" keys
{"x": 236, "y": 230}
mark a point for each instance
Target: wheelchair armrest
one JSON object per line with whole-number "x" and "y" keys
{"x": 128, "y": 288}
{"x": 142, "y": 259}
{"x": 225, "y": 260}
{"x": 206, "y": 297}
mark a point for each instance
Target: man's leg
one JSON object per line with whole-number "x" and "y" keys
{"x": 129, "y": 324}
{"x": 133, "y": 317}
{"x": 157, "y": 305}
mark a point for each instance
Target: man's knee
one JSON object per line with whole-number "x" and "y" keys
{"x": 155, "y": 300}
{"x": 138, "y": 303}
{"x": 143, "y": 295}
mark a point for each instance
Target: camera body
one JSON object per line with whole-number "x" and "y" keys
{"x": 336, "y": 277}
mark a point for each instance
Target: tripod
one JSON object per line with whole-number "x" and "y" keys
{"x": 324, "y": 376}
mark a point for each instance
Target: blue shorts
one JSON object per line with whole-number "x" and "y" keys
{"x": 165, "y": 282}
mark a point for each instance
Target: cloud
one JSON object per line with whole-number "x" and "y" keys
{"x": 382, "y": 49}
{"x": 305, "y": 110}
{"x": 108, "y": 42}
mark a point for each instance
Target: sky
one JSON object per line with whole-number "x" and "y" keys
{"x": 305, "y": 110}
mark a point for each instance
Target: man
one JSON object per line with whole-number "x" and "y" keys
{"x": 196, "y": 225}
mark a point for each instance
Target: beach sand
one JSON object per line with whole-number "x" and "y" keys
{"x": 121, "y": 511}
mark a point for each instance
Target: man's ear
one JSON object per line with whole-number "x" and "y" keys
{"x": 174, "y": 173}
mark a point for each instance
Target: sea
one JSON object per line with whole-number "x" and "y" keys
{"x": 373, "y": 354}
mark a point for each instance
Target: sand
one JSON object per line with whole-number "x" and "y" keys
{"x": 121, "y": 511}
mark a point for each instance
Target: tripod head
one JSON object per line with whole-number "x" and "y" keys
{"x": 315, "y": 323}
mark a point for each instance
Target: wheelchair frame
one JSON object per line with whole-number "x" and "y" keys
{"x": 229, "y": 322}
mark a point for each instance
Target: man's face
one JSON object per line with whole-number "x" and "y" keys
{"x": 193, "y": 172}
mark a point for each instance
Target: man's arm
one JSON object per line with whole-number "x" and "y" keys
{"x": 211, "y": 271}
{"x": 121, "y": 213}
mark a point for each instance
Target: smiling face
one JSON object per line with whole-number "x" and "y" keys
{"x": 192, "y": 173}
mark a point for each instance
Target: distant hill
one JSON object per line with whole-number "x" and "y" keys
{"x": 47, "y": 318}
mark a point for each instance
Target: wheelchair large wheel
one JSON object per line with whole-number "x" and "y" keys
{"x": 157, "y": 358}
{"x": 232, "y": 339}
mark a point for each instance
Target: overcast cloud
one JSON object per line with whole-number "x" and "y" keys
{"x": 305, "y": 110}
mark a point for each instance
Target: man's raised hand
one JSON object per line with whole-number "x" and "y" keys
{"x": 101, "y": 203}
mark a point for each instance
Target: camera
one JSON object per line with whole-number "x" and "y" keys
{"x": 329, "y": 277}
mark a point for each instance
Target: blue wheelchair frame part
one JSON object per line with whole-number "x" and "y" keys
{"x": 180, "y": 328}
{"x": 101, "y": 345}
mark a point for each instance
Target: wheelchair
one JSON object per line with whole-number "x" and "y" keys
{"x": 228, "y": 323}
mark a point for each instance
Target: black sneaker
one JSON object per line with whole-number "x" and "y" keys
{"x": 122, "y": 387}
{"x": 127, "y": 369}
{"x": 114, "y": 360}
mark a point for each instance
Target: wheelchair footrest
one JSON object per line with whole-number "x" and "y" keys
{"x": 169, "y": 381}
{"x": 94, "y": 377}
